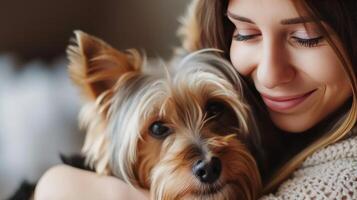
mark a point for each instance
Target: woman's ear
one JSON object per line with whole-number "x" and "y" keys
{"x": 95, "y": 66}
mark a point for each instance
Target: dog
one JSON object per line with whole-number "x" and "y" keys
{"x": 182, "y": 131}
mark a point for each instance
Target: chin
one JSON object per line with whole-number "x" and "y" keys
{"x": 292, "y": 124}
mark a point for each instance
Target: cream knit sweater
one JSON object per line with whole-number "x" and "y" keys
{"x": 330, "y": 173}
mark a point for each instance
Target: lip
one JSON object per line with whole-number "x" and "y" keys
{"x": 285, "y": 103}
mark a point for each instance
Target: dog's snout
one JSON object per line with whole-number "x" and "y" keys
{"x": 207, "y": 171}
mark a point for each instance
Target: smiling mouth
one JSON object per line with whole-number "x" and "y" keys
{"x": 285, "y": 103}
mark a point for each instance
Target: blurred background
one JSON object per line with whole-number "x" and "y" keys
{"x": 38, "y": 103}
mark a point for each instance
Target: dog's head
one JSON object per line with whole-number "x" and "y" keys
{"x": 181, "y": 131}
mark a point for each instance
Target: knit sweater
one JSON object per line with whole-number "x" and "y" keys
{"x": 330, "y": 173}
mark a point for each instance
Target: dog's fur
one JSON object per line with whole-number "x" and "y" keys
{"x": 198, "y": 100}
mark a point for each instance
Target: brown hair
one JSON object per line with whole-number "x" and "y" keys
{"x": 214, "y": 30}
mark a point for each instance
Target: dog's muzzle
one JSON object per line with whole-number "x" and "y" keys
{"x": 207, "y": 171}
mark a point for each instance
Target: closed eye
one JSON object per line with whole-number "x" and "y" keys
{"x": 310, "y": 42}
{"x": 241, "y": 37}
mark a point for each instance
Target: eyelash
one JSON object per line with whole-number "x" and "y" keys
{"x": 309, "y": 43}
{"x": 240, "y": 37}
{"x": 312, "y": 42}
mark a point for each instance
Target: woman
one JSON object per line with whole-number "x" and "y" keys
{"x": 300, "y": 58}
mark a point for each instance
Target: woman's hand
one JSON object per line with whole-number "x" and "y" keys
{"x": 65, "y": 182}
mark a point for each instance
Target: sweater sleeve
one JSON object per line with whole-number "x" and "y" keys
{"x": 330, "y": 173}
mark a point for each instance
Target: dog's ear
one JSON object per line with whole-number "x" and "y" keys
{"x": 190, "y": 31}
{"x": 95, "y": 66}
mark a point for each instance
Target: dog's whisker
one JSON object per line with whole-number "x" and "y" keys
{"x": 229, "y": 137}
{"x": 221, "y": 141}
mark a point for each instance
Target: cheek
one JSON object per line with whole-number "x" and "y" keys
{"x": 243, "y": 58}
{"x": 148, "y": 152}
{"x": 322, "y": 66}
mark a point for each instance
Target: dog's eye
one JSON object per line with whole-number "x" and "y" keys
{"x": 214, "y": 109}
{"x": 159, "y": 130}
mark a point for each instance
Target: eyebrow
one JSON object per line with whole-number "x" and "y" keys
{"x": 296, "y": 20}
{"x": 239, "y": 18}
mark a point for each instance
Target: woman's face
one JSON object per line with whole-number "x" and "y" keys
{"x": 295, "y": 70}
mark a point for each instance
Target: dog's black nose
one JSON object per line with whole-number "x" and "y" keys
{"x": 207, "y": 171}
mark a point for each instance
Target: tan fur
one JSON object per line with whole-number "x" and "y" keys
{"x": 189, "y": 31}
{"x": 95, "y": 67}
{"x": 92, "y": 62}
{"x": 123, "y": 101}
{"x": 96, "y": 142}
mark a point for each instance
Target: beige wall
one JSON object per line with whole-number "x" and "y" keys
{"x": 41, "y": 28}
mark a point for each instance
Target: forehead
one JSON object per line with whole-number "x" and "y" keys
{"x": 263, "y": 10}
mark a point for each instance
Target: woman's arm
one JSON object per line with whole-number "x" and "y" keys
{"x": 65, "y": 182}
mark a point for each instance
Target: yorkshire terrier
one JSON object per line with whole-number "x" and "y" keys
{"x": 182, "y": 131}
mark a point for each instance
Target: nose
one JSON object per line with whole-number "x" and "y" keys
{"x": 275, "y": 67}
{"x": 207, "y": 171}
